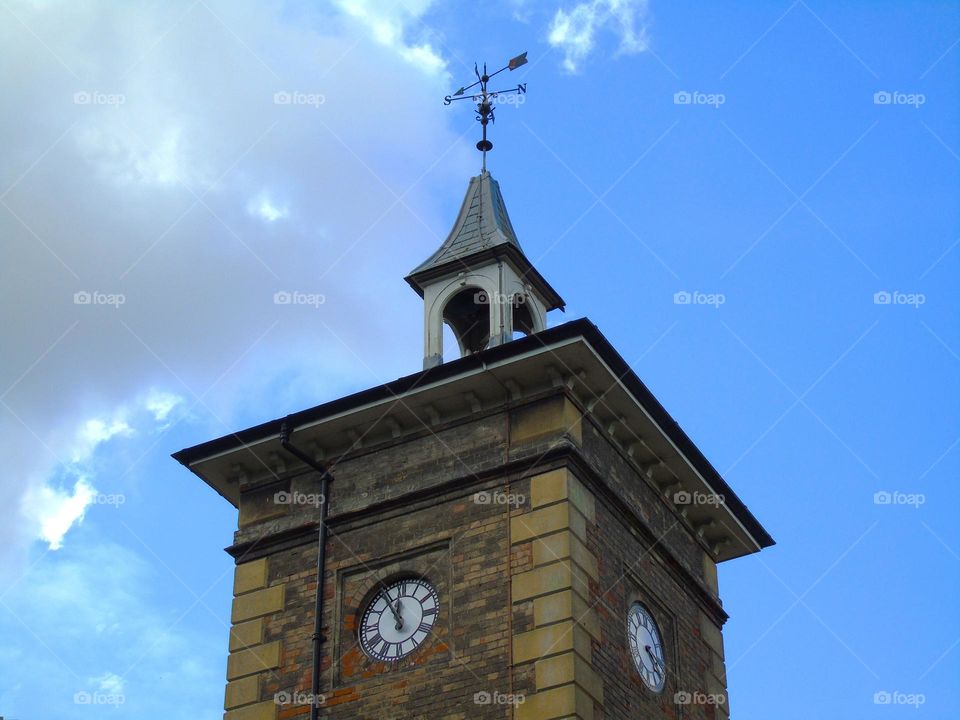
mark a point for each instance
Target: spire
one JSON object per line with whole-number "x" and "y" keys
{"x": 482, "y": 223}
{"x": 479, "y": 281}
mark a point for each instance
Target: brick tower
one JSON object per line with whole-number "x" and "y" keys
{"x": 523, "y": 532}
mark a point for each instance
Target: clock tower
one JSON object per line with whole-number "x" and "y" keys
{"x": 522, "y": 532}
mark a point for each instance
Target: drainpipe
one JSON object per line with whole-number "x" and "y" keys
{"x": 325, "y": 480}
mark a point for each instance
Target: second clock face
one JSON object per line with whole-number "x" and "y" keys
{"x": 646, "y": 647}
{"x": 399, "y": 619}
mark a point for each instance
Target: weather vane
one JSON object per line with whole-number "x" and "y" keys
{"x": 486, "y": 99}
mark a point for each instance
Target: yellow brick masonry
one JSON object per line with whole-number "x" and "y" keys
{"x": 558, "y": 584}
{"x": 249, "y": 655}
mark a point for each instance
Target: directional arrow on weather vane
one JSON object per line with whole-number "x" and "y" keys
{"x": 485, "y": 98}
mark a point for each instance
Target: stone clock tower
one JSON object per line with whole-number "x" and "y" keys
{"x": 523, "y": 532}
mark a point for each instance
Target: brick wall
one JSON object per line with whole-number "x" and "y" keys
{"x": 535, "y": 582}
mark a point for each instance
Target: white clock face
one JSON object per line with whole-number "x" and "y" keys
{"x": 646, "y": 647}
{"x": 399, "y": 619}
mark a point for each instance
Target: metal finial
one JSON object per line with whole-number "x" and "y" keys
{"x": 485, "y": 99}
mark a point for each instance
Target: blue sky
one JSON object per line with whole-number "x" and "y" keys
{"x": 149, "y": 165}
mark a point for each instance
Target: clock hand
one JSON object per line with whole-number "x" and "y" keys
{"x": 653, "y": 657}
{"x": 399, "y": 625}
{"x": 395, "y": 611}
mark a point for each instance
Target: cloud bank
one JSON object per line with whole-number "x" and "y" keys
{"x": 168, "y": 168}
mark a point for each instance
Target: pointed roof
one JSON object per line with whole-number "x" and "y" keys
{"x": 483, "y": 230}
{"x": 483, "y": 223}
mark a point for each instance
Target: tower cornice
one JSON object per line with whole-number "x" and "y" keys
{"x": 651, "y": 438}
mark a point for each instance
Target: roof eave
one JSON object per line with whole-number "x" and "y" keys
{"x": 583, "y": 328}
{"x": 418, "y": 279}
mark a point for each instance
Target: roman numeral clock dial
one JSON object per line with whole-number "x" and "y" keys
{"x": 399, "y": 619}
{"x": 646, "y": 647}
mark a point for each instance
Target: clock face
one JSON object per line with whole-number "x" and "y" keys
{"x": 399, "y": 619}
{"x": 646, "y": 647}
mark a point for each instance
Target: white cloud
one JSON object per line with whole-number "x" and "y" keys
{"x": 522, "y": 12}
{"x": 263, "y": 207}
{"x": 50, "y": 510}
{"x": 96, "y": 431}
{"x": 160, "y": 404}
{"x": 54, "y": 510}
{"x": 385, "y": 21}
{"x": 109, "y": 684}
{"x": 574, "y": 31}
